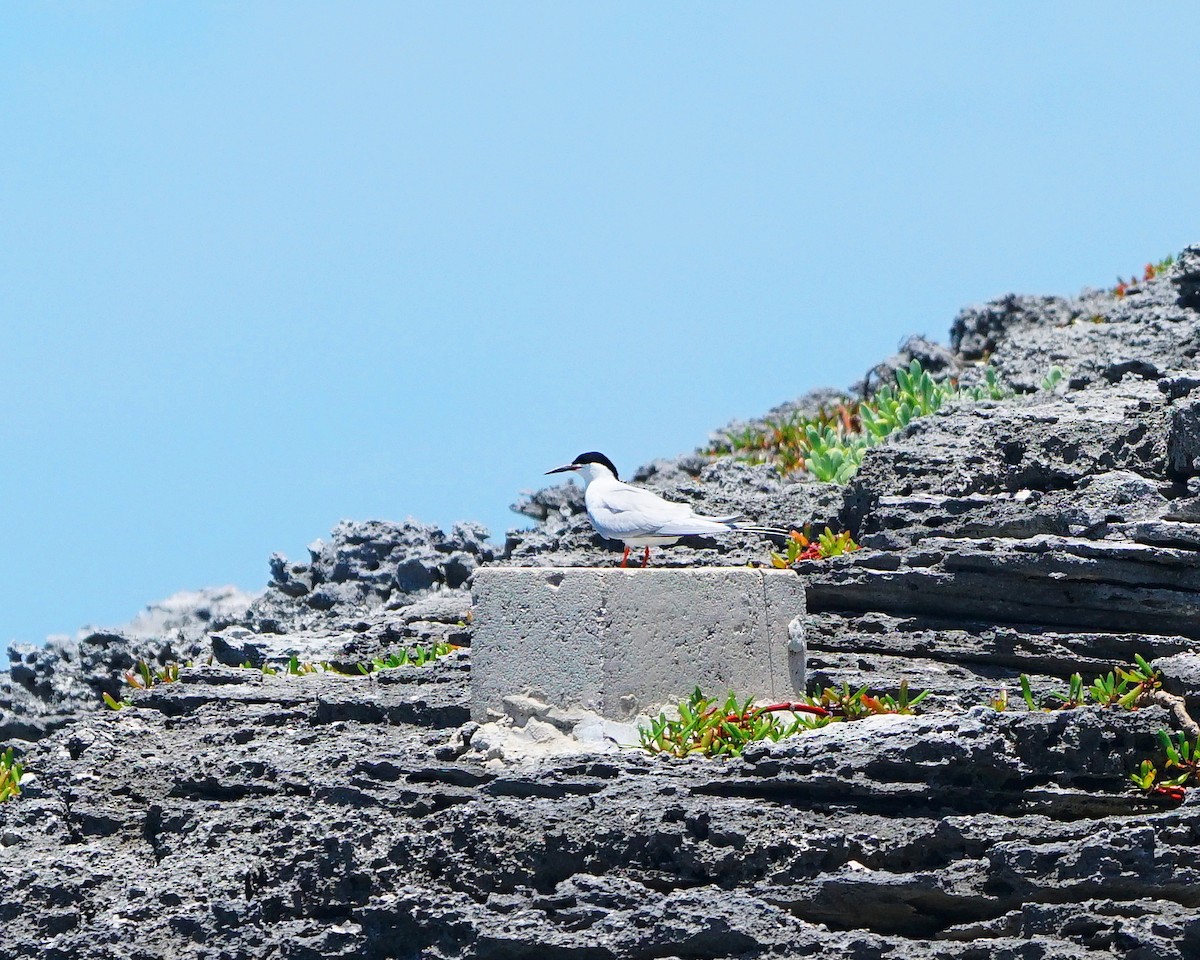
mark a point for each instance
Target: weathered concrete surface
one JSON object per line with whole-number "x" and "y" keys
{"x": 620, "y": 642}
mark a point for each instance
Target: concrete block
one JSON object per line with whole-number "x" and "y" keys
{"x": 622, "y": 642}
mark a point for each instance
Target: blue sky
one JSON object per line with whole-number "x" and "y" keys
{"x": 266, "y": 266}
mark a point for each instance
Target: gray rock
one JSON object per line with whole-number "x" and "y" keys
{"x": 1181, "y": 676}
{"x": 1042, "y": 443}
{"x": 1120, "y": 502}
{"x": 1183, "y": 440}
{"x": 50, "y": 686}
{"x": 189, "y": 614}
{"x": 449, "y": 606}
{"x": 1096, "y": 336}
{"x": 312, "y": 812}
{"x": 1049, "y": 581}
{"x": 235, "y": 814}
{"x": 978, "y": 330}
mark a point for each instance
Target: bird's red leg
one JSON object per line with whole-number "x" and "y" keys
{"x": 625, "y": 558}
{"x": 646, "y": 558}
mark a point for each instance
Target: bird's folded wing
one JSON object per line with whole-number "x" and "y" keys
{"x": 625, "y": 499}
{"x": 633, "y": 511}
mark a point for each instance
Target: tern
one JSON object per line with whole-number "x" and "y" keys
{"x": 639, "y": 518}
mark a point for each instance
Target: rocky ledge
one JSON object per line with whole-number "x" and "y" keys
{"x": 237, "y": 813}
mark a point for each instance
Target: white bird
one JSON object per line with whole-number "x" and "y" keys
{"x": 640, "y": 518}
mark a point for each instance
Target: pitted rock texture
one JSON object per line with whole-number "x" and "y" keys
{"x": 1147, "y": 334}
{"x": 366, "y": 571}
{"x": 235, "y": 814}
{"x": 50, "y": 685}
{"x": 372, "y": 589}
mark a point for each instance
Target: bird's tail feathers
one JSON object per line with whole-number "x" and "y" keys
{"x": 759, "y": 529}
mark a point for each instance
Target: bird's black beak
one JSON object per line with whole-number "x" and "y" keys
{"x": 563, "y": 469}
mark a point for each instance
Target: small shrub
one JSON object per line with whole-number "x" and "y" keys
{"x": 1149, "y": 272}
{"x": 714, "y": 729}
{"x": 830, "y": 444}
{"x": 1107, "y": 690}
{"x": 143, "y": 677}
{"x": 722, "y": 730}
{"x": 416, "y": 656}
{"x": 916, "y": 394}
{"x": 786, "y": 441}
{"x": 1131, "y": 687}
{"x": 297, "y": 669}
{"x": 990, "y": 389}
{"x": 832, "y": 456}
{"x": 1145, "y": 775}
{"x": 1125, "y": 688}
{"x": 799, "y": 547}
{"x": 11, "y": 771}
{"x": 1182, "y": 756}
{"x": 858, "y": 705}
{"x": 1053, "y": 378}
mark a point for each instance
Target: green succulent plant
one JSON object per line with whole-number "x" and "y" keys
{"x": 11, "y": 771}
{"x": 829, "y": 445}
{"x": 142, "y": 677}
{"x": 801, "y": 547}
{"x": 712, "y": 729}
{"x": 1122, "y": 688}
{"x": 416, "y": 656}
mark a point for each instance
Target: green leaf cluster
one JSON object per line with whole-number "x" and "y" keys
{"x": 830, "y": 444}
{"x": 416, "y": 656}
{"x": 1182, "y": 757}
{"x": 916, "y": 394}
{"x": 712, "y": 729}
{"x": 990, "y": 389}
{"x": 786, "y": 440}
{"x": 845, "y": 704}
{"x": 1122, "y": 688}
{"x": 833, "y": 456}
{"x": 1053, "y": 378}
{"x": 800, "y": 547}
{"x": 1128, "y": 687}
{"x": 142, "y": 677}
{"x": 11, "y": 771}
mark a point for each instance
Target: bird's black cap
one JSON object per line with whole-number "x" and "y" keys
{"x": 583, "y": 458}
{"x": 595, "y": 457}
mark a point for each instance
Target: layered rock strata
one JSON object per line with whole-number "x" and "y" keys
{"x": 236, "y": 814}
